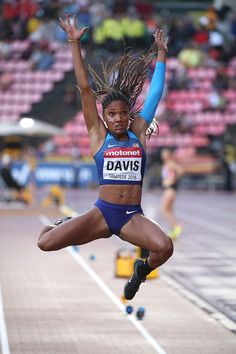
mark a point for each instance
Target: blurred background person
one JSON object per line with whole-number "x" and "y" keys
{"x": 6, "y": 80}
{"x": 171, "y": 173}
{"x": 9, "y": 180}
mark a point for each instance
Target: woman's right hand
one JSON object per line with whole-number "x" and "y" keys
{"x": 72, "y": 31}
{"x": 160, "y": 41}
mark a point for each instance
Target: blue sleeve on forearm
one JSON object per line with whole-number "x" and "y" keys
{"x": 155, "y": 92}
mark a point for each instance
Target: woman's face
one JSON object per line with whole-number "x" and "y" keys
{"x": 116, "y": 115}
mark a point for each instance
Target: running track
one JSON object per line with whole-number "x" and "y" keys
{"x": 65, "y": 302}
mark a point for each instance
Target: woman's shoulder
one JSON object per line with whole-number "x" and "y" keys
{"x": 131, "y": 134}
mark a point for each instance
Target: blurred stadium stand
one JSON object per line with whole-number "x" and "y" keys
{"x": 198, "y": 110}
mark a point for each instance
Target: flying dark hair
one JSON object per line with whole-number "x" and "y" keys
{"x": 123, "y": 81}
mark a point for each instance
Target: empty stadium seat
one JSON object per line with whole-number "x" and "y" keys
{"x": 29, "y": 85}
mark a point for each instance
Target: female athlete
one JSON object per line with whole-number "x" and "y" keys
{"x": 171, "y": 173}
{"x": 118, "y": 143}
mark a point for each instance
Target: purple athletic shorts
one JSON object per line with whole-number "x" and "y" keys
{"x": 117, "y": 215}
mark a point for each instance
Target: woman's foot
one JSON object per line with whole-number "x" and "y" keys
{"x": 60, "y": 221}
{"x": 176, "y": 232}
{"x": 138, "y": 277}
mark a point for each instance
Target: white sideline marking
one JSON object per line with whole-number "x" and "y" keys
{"x": 207, "y": 225}
{"x": 109, "y": 293}
{"x": 219, "y": 229}
{"x": 11, "y": 205}
{"x": 3, "y": 328}
{"x": 115, "y": 300}
{"x": 44, "y": 220}
{"x": 209, "y": 210}
{"x": 201, "y": 303}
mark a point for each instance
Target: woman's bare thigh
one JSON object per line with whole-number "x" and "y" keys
{"x": 143, "y": 232}
{"x": 77, "y": 231}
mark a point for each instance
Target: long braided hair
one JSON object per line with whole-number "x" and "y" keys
{"x": 123, "y": 81}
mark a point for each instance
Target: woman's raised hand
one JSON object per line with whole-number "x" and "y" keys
{"x": 160, "y": 40}
{"x": 72, "y": 31}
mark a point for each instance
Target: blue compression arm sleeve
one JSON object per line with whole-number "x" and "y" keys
{"x": 155, "y": 93}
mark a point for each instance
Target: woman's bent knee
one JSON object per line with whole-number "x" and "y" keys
{"x": 43, "y": 245}
{"x": 44, "y": 242}
{"x": 169, "y": 248}
{"x": 164, "y": 247}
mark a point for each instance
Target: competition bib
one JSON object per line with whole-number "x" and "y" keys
{"x": 122, "y": 164}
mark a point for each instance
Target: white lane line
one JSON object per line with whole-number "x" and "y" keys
{"x": 115, "y": 300}
{"x": 11, "y": 205}
{"x": 211, "y": 211}
{"x": 3, "y": 328}
{"x": 109, "y": 293}
{"x": 200, "y": 302}
{"x": 44, "y": 220}
{"x": 206, "y": 224}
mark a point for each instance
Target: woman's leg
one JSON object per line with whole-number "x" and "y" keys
{"x": 168, "y": 200}
{"x": 146, "y": 233}
{"x": 76, "y": 231}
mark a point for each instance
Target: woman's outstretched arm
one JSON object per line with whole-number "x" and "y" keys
{"x": 158, "y": 79}
{"x": 94, "y": 123}
{"x": 156, "y": 87}
{"x": 74, "y": 38}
